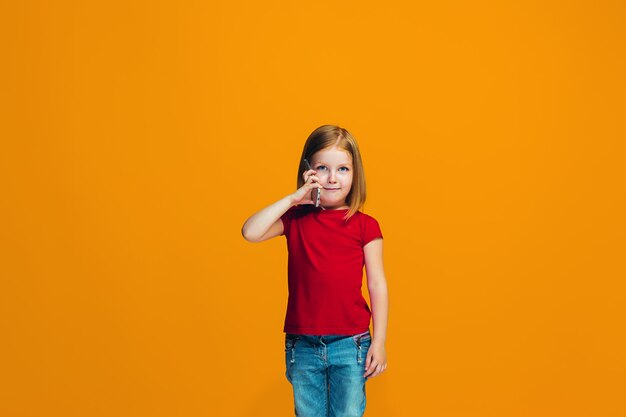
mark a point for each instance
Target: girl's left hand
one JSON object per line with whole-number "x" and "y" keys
{"x": 376, "y": 362}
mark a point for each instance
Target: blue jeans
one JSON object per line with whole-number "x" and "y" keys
{"x": 326, "y": 373}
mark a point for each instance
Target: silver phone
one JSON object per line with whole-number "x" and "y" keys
{"x": 316, "y": 193}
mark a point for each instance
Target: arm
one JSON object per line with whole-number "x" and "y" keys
{"x": 266, "y": 224}
{"x": 377, "y": 286}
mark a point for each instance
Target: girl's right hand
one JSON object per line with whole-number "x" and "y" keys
{"x": 303, "y": 194}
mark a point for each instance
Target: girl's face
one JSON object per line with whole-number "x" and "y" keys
{"x": 334, "y": 169}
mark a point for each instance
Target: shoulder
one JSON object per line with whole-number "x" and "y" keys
{"x": 292, "y": 215}
{"x": 365, "y": 218}
{"x": 303, "y": 210}
{"x": 299, "y": 209}
{"x": 369, "y": 228}
{"x": 296, "y": 212}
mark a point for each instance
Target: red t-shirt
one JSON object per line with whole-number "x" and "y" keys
{"x": 326, "y": 270}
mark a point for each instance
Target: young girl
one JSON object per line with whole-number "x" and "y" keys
{"x": 329, "y": 352}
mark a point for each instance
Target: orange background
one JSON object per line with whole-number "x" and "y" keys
{"x": 138, "y": 136}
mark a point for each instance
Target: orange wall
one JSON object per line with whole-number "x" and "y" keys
{"x": 138, "y": 136}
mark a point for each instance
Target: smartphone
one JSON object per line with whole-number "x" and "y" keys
{"x": 316, "y": 193}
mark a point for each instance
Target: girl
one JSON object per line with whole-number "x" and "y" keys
{"x": 329, "y": 351}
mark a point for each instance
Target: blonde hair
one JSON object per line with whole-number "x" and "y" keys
{"x": 329, "y": 136}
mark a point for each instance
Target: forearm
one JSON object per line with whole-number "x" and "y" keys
{"x": 380, "y": 312}
{"x": 259, "y": 223}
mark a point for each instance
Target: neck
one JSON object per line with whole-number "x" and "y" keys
{"x": 343, "y": 207}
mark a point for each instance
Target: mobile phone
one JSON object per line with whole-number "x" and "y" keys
{"x": 316, "y": 193}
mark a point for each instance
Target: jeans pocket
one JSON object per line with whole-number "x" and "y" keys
{"x": 290, "y": 347}
{"x": 362, "y": 342}
{"x": 361, "y": 338}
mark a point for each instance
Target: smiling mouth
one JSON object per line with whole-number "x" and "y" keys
{"x": 332, "y": 189}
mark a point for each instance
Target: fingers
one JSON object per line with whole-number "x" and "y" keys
{"x": 374, "y": 370}
{"x": 306, "y": 174}
{"x": 313, "y": 183}
{"x": 371, "y": 371}
{"x": 374, "y": 367}
{"x": 309, "y": 176}
{"x": 303, "y": 195}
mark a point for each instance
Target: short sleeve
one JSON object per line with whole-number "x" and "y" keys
{"x": 371, "y": 230}
{"x": 286, "y": 219}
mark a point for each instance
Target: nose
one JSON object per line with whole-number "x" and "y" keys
{"x": 331, "y": 177}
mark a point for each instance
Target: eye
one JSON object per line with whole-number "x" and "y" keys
{"x": 344, "y": 169}
{"x": 320, "y": 167}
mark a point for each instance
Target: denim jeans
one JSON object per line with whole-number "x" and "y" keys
{"x": 326, "y": 373}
